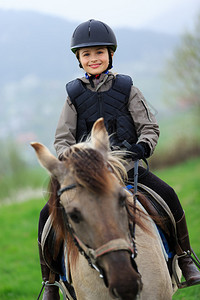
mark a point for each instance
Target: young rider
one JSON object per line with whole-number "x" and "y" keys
{"x": 129, "y": 122}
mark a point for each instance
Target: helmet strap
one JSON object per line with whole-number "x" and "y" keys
{"x": 110, "y": 59}
{"x": 80, "y": 65}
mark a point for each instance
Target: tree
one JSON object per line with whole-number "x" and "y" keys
{"x": 183, "y": 71}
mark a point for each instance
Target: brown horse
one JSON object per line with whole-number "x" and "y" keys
{"x": 92, "y": 211}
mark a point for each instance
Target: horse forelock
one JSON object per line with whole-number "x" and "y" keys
{"x": 89, "y": 169}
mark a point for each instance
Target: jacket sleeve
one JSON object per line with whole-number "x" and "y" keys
{"x": 145, "y": 123}
{"x": 65, "y": 135}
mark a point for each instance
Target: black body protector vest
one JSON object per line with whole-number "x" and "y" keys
{"x": 112, "y": 105}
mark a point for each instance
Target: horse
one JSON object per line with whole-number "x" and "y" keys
{"x": 92, "y": 213}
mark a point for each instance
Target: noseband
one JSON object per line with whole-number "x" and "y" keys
{"x": 92, "y": 255}
{"x": 112, "y": 245}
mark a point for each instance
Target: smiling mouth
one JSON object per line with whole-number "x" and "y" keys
{"x": 94, "y": 66}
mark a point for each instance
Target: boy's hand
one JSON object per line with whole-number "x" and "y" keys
{"x": 137, "y": 151}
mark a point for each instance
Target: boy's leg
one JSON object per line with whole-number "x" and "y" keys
{"x": 189, "y": 270}
{"x": 44, "y": 214}
{"x": 51, "y": 292}
{"x": 162, "y": 189}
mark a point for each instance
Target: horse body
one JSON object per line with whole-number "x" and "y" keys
{"x": 92, "y": 208}
{"x": 152, "y": 265}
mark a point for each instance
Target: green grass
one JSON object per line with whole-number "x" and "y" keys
{"x": 19, "y": 267}
{"x": 19, "y": 262}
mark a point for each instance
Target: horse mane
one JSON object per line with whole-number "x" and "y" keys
{"x": 91, "y": 171}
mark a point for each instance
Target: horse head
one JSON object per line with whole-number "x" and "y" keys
{"x": 94, "y": 212}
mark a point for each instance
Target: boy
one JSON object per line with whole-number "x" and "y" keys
{"x": 128, "y": 120}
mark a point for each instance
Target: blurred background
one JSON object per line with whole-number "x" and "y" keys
{"x": 158, "y": 45}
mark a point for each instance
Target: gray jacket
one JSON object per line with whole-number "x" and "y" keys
{"x": 145, "y": 123}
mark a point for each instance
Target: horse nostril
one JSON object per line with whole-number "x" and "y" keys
{"x": 114, "y": 294}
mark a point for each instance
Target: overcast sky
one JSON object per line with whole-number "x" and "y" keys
{"x": 177, "y": 14}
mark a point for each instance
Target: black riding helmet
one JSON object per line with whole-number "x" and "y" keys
{"x": 94, "y": 33}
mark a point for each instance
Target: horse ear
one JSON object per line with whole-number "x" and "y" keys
{"x": 99, "y": 137}
{"x": 49, "y": 161}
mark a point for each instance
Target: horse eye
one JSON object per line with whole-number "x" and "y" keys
{"x": 75, "y": 216}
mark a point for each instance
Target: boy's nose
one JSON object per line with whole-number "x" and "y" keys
{"x": 93, "y": 57}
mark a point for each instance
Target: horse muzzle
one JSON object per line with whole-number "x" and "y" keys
{"x": 121, "y": 278}
{"x": 123, "y": 291}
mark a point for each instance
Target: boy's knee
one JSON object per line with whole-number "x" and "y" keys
{"x": 44, "y": 213}
{"x": 171, "y": 192}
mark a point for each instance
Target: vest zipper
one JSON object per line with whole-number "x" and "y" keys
{"x": 100, "y": 102}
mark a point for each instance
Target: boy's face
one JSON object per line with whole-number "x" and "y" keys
{"x": 94, "y": 60}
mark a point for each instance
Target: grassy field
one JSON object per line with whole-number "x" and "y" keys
{"x": 19, "y": 264}
{"x": 19, "y": 269}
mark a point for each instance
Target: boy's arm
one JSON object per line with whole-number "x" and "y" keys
{"x": 65, "y": 135}
{"x": 145, "y": 123}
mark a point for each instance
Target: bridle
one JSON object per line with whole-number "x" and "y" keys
{"x": 92, "y": 255}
